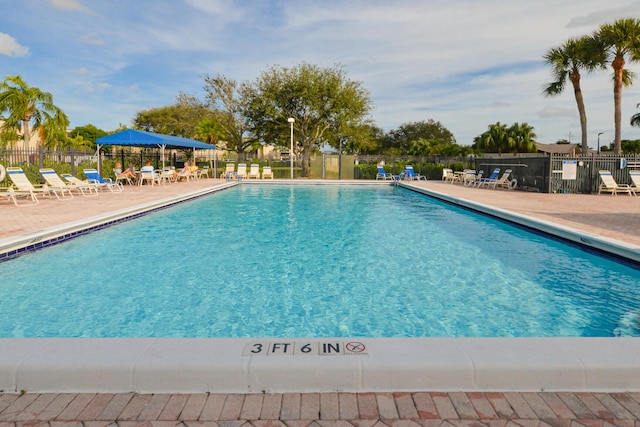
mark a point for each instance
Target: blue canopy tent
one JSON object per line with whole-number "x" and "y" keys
{"x": 138, "y": 138}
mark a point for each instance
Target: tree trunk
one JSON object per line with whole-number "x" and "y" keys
{"x": 618, "y": 67}
{"x": 306, "y": 153}
{"x": 577, "y": 91}
{"x": 25, "y": 132}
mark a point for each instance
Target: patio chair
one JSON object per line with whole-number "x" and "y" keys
{"x": 635, "y": 181}
{"x": 148, "y": 174}
{"x": 254, "y": 171}
{"x": 242, "y": 171}
{"x": 55, "y": 184}
{"x": 13, "y": 194}
{"x": 490, "y": 179}
{"x": 101, "y": 183}
{"x": 121, "y": 177}
{"x": 77, "y": 181}
{"x": 22, "y": 183}
{"x": 204, "y": 172}
{"x": 503, "y": 182}
{"x": 55, "y": 181}
{"x": 229, "y": 171}
{"x": 185, "y": 174}
{"x": 469, "y": 176}
{"x": 267, "y": 172}
{"x": 384, "y": 175}
{"x": 609, "y": 185}
{"x": 411, "y": 174}
{"x": 167, "y": 175}
{"x": 448, "y": 175}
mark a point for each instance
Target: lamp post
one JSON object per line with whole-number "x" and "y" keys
{"x": 599, "y": 133}
{"x": 291, "y": 120}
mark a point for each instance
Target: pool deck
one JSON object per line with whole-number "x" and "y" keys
{"x": 611, "y": 217}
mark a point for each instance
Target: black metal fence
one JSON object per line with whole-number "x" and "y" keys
{"x": 530, "y": 171}
{"x": 533, "y": 172}
{"x": 580, "y": 174}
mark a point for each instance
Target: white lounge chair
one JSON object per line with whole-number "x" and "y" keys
{"x": 77, "y": 181}
{"x": 22, "y": 183}
{"x": 267, "y": 173}
{"x": 469, "y": 176}
{"x": 503, "y": 182}
{"x": 52, "y": 178}
{"x": 635, "y": 181}
{"x": 242, "y": 171}
{"x": 609, "y": 185}
{"x": 13, "y": 194}
{"x": 229, "y": 172}
{"x": 254, "y": 171}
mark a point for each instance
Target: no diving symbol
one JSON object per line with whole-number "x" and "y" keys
{"x": 355, "y": 347}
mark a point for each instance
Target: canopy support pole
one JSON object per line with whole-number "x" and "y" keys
{"x": 98, "y": 146}
{"x": 162, "y": 147}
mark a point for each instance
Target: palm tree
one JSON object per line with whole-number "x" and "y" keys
{"x": 496, "y": 137}
{"x": 566, "y": 63}
{"x": 522, "y": 138}
{"x": 518, "y": 138}
{"x": 635, "y": 119}
{"x": 28, "y": 106}
{"x": 620, "y": 40}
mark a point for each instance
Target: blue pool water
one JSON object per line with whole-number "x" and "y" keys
{"x": 316, "y": 261}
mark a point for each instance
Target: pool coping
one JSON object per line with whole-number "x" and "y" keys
{"x": 248, "y": 365}
{"x": 16, "y": 245}
{"x": 583, "y": 238}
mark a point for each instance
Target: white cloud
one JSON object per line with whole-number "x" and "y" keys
{"x": 73, "y": 5}
{"x": 555, "y": 112}
{"x": 92, "y": 39}
{"x": 96, "y": 87}
{"x": 213, "y": 7}
{"x": 10, "y": 47}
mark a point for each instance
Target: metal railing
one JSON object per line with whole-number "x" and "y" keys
{"x": 579, "y": 174}
{"x": 534, "y": 172}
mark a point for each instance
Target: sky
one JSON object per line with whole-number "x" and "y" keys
{"x": 464, "y": 63}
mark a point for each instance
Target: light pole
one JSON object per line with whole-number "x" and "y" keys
{"x": 291, "y": 120}
{"x": 599, "y": 133}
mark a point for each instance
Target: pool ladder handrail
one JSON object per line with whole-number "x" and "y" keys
{"x": 228, "y": 176}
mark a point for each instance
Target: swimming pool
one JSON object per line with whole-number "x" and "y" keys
{"x": 374, "y": 262}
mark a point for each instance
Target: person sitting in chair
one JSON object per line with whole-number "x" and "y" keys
{"x": 128, "y": 173}
{"x": 184, "y": 173}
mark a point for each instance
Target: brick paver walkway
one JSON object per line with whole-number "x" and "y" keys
{"x": 401, "y": 409}
{"x": 614, "y": 217}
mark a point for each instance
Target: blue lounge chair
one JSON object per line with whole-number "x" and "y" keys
{"x": 94, "y": 178}
{"x": 410, "y": 174}
{"x": 384, "y": 175}
{"x": 491, "y": 178}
